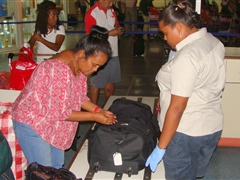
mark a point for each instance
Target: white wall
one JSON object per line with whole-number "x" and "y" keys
{"x": 231, "y": 98}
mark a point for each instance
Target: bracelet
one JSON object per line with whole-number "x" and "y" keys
{"x": 96, "y": 109}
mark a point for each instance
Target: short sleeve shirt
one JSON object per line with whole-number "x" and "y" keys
{"x": 51, "y": 37}
{"x": 47, "y": 101}
{"x": 196, "y": 71}
{"x": 108, "y": 19}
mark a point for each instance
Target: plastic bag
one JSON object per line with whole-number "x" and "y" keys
{"x": 21, "y": 69}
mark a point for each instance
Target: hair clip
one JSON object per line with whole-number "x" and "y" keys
{"x": 181, "y": 5}
{"x": 98, "y": 36}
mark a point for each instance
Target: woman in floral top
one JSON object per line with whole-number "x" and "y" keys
{"x": 46, "y": 113}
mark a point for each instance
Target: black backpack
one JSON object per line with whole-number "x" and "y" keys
{"x": 134, "y": 136}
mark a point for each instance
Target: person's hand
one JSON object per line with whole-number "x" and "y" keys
{"x": 120, "y": 30}
{"x": 155, "y": 157}
{"x": 105, "y": 117}
{"x": 108, "y": 113}
{"x": 37, "y": 36}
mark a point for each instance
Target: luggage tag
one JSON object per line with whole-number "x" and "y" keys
{"x": 117, "y": 159}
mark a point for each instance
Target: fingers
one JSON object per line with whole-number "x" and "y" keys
{"x": 113, "y": 121}
{"x": 105, "y": 117}
{"x": 109, "y": 114}
{"x": 153, "y": 167}
{"x": 120, "y": 30}
{"x": 147, "y": 162}
{"x": 110, "y": 121}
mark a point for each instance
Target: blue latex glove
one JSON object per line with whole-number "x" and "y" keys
{"x": 155, "y": 157}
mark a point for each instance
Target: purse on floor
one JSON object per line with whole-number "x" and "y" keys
{"x": 37, "y": 171}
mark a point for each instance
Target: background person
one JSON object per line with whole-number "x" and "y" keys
{"x": 49, "y": 34}
{"x": 130, "y": 7}
{"x": 3, "y": 9}
{"x": 46, "y": 113}
{"x": 191, "y": 86}
{"x": 116, "y": 5}
{"x": 103, "y": 15}
{"x": 121, "y": 7}
{"x": 83, "y": 7}
{"x": 144, "y": 7}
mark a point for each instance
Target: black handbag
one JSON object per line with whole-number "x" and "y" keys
{"x": 37, "y": 171}
{"x": 5, "y": 154}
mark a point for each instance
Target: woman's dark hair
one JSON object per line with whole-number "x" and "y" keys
{"x": 96, "y": 41}
{"x": 42, "y": 11}
{"x": 181, "y": 12}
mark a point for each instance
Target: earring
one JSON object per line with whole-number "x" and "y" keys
{"x": 180, "y": 34}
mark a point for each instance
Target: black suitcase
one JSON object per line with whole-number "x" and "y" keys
{"x": 138, "y": 45}
{"x": 132, "y": 139}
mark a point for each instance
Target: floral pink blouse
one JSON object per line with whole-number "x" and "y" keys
{"x": 47, "y": 101}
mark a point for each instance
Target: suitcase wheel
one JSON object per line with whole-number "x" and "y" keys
{"x": 129, "y": 171}
{"x": 96, "y": 168}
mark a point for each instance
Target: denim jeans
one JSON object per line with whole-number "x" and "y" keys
{"x": 35, "y": 148}
{"x": 187, "y": 157}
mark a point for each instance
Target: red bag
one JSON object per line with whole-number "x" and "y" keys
{"x": 21, "y": 69}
